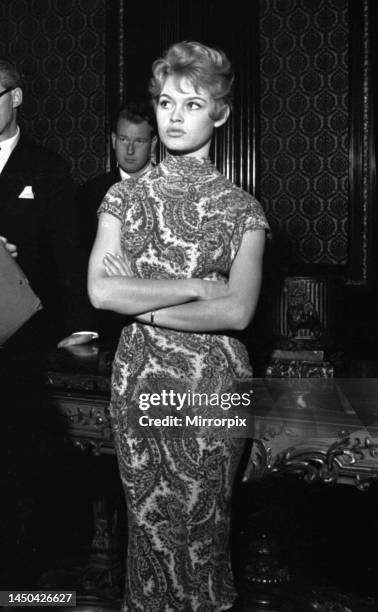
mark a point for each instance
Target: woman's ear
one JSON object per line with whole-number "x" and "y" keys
{"x": 224, "y": 117}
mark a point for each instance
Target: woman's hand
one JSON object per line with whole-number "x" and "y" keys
{"x": 11, "y": 248}
{"x": 113, "y": 284}
{"x": 117, "y": 265}
{"x": 220, "y": 306}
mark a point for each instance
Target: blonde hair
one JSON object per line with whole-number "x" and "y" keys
{"x": 204, "y": 67}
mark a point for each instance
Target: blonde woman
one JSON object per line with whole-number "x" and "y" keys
{"x": 182, "y": 253}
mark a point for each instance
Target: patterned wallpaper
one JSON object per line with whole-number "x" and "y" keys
{"x": 301, "y": 152}
{"x": 59, "y": 46}
{"x": 304, "y": 126}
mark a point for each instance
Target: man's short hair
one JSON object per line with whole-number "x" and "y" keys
{"x": 136, "y": 112}
{"x": 9, "y": 75}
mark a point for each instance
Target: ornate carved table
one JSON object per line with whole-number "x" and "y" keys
{"x": 319, "y": 429}
{"x": 78, "y": 384}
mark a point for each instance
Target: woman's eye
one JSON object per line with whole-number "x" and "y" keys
{"x": 194, "y": 105}
{"x": 164, "y": 103}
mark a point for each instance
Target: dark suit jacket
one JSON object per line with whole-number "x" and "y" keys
{"x": 89, "y": 198}
{"x": 45, "y": 230}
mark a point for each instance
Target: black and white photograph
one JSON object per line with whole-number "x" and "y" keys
{"x": 188, "y": 305}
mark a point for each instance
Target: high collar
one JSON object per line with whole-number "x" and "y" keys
{"x": 187, "y": 165}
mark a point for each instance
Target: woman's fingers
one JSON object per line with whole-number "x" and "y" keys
{"x": 116, "y": 265}
{"x": 110, "y": 266}
{"x": 127, "y": 266}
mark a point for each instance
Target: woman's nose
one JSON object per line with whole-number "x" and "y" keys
{"x": 176, "y": 115}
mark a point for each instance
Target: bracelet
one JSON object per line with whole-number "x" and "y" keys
{"x": 152, "y": 317}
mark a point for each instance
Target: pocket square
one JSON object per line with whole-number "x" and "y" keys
{"x": 27, "y": 192}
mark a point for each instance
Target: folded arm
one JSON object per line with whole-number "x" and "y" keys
{"x": 133, "y": 296}
{"x": 235, "y": 309}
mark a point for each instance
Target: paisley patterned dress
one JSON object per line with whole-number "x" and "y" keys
{"x": 182, "y": 219}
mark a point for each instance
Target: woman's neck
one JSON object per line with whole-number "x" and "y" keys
{"x": 201, "y": 153}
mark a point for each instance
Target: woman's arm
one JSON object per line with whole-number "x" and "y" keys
{"x": 132, "y": 296}
{"x": 232, "y": 311}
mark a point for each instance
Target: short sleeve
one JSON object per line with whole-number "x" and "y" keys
{"x": 254, "y": 218}
{"x": 250, "y": 217}
{"x": 115, "y": 200}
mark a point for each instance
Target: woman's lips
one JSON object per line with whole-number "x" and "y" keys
{"x": 173, "y": 132}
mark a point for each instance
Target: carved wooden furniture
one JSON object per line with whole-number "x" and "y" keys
{"x": 311, "y": 427}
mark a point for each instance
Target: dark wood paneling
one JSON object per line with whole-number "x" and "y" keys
{"x": 342, "y": 229}
{"x": 361, "y": 145}
{"x": 316, "y": 134}
{"x": 143, "y": 34}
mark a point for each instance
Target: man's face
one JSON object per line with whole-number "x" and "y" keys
{"x": 8, "y": 114}
{"x": 132, "y": 144}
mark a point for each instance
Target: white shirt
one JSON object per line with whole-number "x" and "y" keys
{"x": 125, "y": 175}
{"x": 6, "y": 148}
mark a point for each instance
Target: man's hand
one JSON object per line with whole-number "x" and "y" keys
{"x": 77, "y": 339}
{"x": 11, "y": 248}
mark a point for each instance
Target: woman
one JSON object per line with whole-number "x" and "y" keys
{"x": 181, "y": 252}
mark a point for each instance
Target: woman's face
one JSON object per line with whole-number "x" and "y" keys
{"x": 183, "y": 118}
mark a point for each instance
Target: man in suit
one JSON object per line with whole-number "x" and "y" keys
{"x": 37, "y": 214}
{"x": 134, "y": 141}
